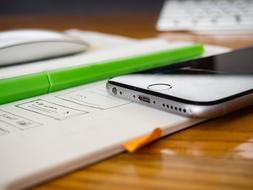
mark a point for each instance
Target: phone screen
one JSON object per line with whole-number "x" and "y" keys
{"x": 234, "y": 62}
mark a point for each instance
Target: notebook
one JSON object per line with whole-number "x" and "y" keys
{"x": 46, "y": 136}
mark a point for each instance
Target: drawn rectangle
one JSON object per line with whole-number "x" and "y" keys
{"x": 50, "y": 109}
{"x": 93, "y": 97}
{"x": 17, "y": 121}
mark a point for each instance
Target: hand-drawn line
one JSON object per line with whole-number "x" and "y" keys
{"x": 3, "y": 132}
{"x": 17, "y": 121}
{"x": 81, "y": 97}
{"x": 50, "y": 109}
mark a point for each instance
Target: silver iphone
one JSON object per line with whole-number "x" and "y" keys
{"x": 205, "y": 88}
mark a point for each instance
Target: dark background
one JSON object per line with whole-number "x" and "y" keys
{"x": 79, "y": 7}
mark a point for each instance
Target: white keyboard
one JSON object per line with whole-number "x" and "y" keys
{"x": 206, "y": 16}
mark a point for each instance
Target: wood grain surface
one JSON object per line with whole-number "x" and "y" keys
{"x": 217, "y": 154}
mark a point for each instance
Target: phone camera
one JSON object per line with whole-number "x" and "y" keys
{"x": 114, "y": 91}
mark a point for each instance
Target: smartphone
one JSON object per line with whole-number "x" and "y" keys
{"x": 203, "y": 88}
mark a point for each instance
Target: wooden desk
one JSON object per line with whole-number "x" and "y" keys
{"x": 216, "y": 154}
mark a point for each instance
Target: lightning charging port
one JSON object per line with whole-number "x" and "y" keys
{"x": 144, "y": 99}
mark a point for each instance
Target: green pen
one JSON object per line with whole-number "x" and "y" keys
{"x": 21, "y": 87}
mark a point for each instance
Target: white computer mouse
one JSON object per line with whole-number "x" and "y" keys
{"x": 19, "y": 46}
